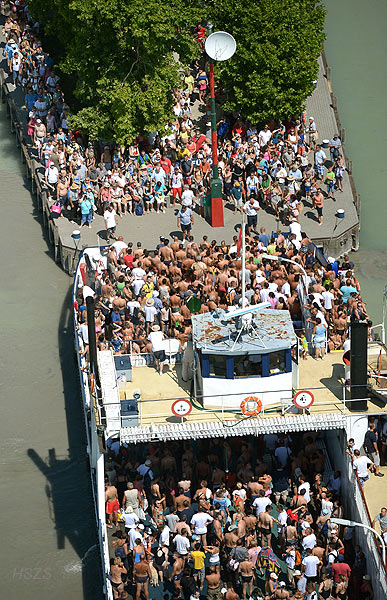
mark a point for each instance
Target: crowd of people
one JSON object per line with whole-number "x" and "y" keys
{"x": 140, "y": 292}
{"x": 280, "y": 166}
{"x": 238, "y": 518}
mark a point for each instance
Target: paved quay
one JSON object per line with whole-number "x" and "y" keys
{"x": 335, "y": 236}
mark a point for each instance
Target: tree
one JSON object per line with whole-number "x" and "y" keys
{"x": 121, "y": 58}
{"x": 278, "y": 45}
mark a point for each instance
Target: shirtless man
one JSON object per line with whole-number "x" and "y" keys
{"x": 112, "y": 504}
{"x": 166, "y": 254}
{"x": 177, "y": 573}
{"x": 213, "y": 584}
{"x": 280, "y": 593}
{"x": 141, "y": 576}
{"x": 218, "y": 527}
{"x": 246, "y": 570}
{"x": 231, "y": 593}
{"x": 230, "y": 540}
{"x": 253, "y": 488}
{"x": 181, "y": 502}
{"x": 265, "y": 523}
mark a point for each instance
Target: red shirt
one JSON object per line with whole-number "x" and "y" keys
{"x": 128, "y": 260}
{"x": 340, "y": 568}
{"x": 166, "y": 165}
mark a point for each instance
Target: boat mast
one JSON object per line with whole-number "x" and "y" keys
{"x": 243, "y": 261}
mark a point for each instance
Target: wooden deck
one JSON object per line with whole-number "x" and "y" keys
{"x": 323, "y": 378}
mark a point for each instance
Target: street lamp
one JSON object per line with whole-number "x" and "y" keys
{"x": 219, "y": 46}
{"x": 281, "y": 259}
{"x": 347, "y": 523}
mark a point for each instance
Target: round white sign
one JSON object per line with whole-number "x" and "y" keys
{"x": 181, "y": 408}
{"x": 303, "y": 399}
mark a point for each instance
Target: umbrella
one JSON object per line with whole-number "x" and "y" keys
{"x": 268, "y": 560}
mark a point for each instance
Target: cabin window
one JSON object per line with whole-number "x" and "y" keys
{"x": 217, "y": 365}
{"x": 248, "y": 365}
{"x": 277, "y": 362}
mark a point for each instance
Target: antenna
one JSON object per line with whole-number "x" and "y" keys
{"x": 244, "y": 311}
{"x": 220, "y": 46}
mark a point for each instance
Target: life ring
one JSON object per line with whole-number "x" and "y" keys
{"x": 92, "y": 384}
{"x": 251, "y": 406}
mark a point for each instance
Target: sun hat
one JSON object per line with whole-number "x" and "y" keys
{"x": 156, "y": 328}
{"x": 149, "y": 302}
{"x": 297, "y": 572}
{"x": 282, "y": 583}
{"x": 273, "y": 576}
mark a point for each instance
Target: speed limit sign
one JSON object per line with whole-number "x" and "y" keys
{"x": 181, "y": 408}
{"x": 303, "y": 399}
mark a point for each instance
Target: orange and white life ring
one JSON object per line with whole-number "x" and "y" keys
{"x": 251, "y": 406}
{"x": 92, "y": 384}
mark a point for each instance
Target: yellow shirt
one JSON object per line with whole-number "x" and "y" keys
{"x": 198, "y": 559}
{"x": 189, "y": 82}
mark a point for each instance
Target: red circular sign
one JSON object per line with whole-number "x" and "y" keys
{"x": 303, "y": 399}
{"x": 181, "y": 408}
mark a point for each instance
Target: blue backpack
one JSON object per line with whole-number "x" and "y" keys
{"x": 139, "y": 210}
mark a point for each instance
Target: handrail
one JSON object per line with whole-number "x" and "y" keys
{"x": 360, "y": 487}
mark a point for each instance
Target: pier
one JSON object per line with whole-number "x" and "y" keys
{"x": 335, "y": 237}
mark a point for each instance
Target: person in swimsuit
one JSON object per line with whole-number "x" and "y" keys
{"x": 177, "y": 573}
{"x": 116, "y": 570}
{"x": 141, "y": 576}
{"x": 112, "y": 504}
{"x": 246, "y": 570}
{"x": 325, "y": 587}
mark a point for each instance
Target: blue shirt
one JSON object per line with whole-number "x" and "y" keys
{"x": 347, "y": 290}
{"x": 30, "y": 99}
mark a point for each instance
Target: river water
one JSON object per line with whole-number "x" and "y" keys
{"x": 48, "y": 539}
{"x": 356, "y": 53}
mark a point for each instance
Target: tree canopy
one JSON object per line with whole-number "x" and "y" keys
{"x": 120, "y": 57}
{"x": 278, "y": 45}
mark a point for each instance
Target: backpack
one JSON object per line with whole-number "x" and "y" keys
{"x": 147, "y": 480}
{"x": 368, "y": 444}
{"x": 139, "y": 210}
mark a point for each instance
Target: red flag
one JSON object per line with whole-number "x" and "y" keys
{"x": 239, "y": 243}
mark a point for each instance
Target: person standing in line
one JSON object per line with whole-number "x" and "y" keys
{"x": 370, "y": 446}
{"x": 319, "y": 338}
{"x": 111, "y": 221}
{"x": 361, "y": 464}
{"x": 185, "y": 220}
{"x": 318, "y": 204}
{"x": 156, "y": 338}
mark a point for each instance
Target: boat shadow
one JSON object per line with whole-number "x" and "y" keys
{"x": 68, "y": 483}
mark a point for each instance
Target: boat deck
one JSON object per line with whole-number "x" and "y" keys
{"x": 324, "y": 378}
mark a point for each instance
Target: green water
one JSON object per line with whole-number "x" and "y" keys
{"x": 356, "y": 53}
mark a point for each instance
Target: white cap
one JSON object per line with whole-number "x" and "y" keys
{"x": 140, "y": 526}
{"x": 282, "y": 583}
{"x": 273, "y": 576}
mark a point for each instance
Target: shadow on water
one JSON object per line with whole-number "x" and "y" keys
{"x": 68, "y": 486}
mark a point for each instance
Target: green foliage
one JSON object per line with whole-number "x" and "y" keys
{"x": 278, "y": 45}
{"x": 120, "y": 57}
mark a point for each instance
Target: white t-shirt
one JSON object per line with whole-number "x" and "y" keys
{"x": 260, "y": 504}
{"x": 251, "y": 209}
{"x": 199, "y": 522}
{"x": 309, "y": 541}
{"x": 133, "y": 536}
{"x": 282, "y": 518}
{"x": 310, "y": 563}
{"x": 156, "y": 337}
{"x": 182, "y": 544}
{"x": 164, "y": 536}
{"x": 137, "y": 285}
{"x": 130, "y": 518}
{"x": 264, "y": 136}
{"x": 84, "y": 333}
{"x": 305, "y": 486}
{"x": 187, "y": 197}
{"x": 361, "y": 464}
{"x": 110, "y": 218}
{"x": 150, "y": 313}
{"x": 327, "y": 505}
{"x": 119, "y": 246}
{"x": 328, "y": 297}
{"x": 295, "y": 228}
{"x": 138, "y": 273}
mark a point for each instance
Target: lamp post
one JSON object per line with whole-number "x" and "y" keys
{"x": 219, "y": 46}
{"x": 347, "y": 523}
{"x": 280, "y": 259}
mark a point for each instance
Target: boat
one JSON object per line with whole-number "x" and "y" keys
{"x": 240, "y": 375}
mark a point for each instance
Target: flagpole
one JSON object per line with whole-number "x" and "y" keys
{"x": 243, "y": 261}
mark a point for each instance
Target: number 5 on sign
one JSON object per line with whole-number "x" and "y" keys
{"x": 303, "y": 399}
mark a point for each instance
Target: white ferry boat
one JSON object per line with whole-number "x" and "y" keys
{"x": 240, "y": 375}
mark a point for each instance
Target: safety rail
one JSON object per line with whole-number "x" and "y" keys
{"x": 361, "y": 514}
